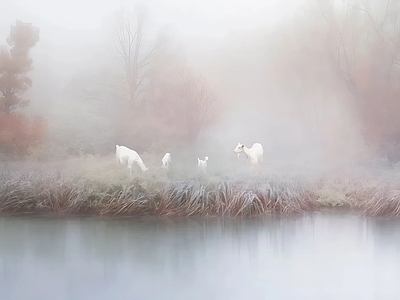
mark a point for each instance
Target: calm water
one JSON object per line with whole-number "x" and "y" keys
{"x": 314, "y": 257}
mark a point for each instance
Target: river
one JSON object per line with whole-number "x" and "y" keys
{"x": 319, "y": 256}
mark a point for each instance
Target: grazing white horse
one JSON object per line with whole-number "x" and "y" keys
{"x": 124, "y": 155}
{"x": 254, "y": 154}
{"x": 166, "y": 161}
{"x": 202, "y": 164}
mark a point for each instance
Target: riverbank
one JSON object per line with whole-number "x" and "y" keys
{"x": 50, "y": 192}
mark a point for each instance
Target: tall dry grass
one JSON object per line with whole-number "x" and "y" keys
{"x": 50, "y": 192}
{"x": 65, "y": 189}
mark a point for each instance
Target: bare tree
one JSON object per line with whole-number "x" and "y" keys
{"x": 129, "y": 45}
{"x": 364, "y": 45}
{"x": 360, "y": 31}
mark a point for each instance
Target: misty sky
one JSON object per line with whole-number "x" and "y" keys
{"x": 73, "y": 33}
{"x": 188, "y": 20}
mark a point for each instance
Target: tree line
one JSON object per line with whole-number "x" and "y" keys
{"x": 352, "y": 48}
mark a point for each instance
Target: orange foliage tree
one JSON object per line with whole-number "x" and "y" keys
{"x": 15, "y": 64}
{"x": 17, "y": 132}
{"x": 187, "y": 106}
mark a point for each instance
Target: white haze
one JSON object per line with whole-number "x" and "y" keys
{"x": 224, "y": 40}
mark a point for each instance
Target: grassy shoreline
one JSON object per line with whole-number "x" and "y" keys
{"x": 51, "y": 193}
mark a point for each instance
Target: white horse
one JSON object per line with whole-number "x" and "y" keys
{"x": 124, "y": 155}
{"x": 166, "y": 161}
{"x": 202, "y": 164}
{"x": 255, "y": 154}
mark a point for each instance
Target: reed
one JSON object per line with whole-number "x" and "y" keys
{"x": 51, "y": 191}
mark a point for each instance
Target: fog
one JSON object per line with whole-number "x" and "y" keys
{"x": 265, "y": 61}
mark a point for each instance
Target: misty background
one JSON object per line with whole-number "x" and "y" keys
{"x": 315, "y": 82}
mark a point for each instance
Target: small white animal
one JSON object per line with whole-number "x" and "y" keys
{"x": 124, "y": 155}
{"x": 255, "y": 154}
{"x": 202, "y": 164}
{"x": 166, "y": 161}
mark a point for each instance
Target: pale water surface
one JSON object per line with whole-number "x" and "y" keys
{"x": 314, "y": 257}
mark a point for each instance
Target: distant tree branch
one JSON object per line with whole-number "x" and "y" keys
{"x": 129, "y": 47}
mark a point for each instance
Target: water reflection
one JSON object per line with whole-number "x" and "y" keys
{"x": 313, "y": 257}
